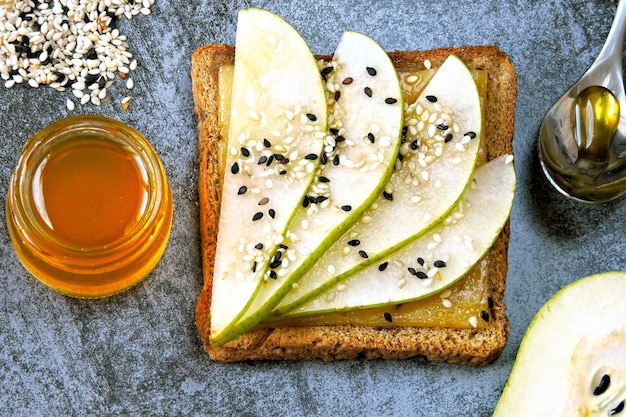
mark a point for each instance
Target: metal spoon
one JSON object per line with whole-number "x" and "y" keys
{"x": 582, "y": 139}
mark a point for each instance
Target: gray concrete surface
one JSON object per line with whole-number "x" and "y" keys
{"x": 138, "y": 353}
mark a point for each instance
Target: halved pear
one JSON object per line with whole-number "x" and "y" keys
{"x": 278, "y": 121}
{"x": 572, "y": 360}
{"x": 435, "y": 163}
{"x": 359, "y": 156}
{"x": 436, "y": 260}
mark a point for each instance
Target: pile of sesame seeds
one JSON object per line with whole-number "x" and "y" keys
{"x": 68, "y": 45}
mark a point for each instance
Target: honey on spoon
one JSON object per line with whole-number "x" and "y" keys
{"x": 582, "y": 139}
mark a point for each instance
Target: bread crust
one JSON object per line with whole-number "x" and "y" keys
{"x": 474, "y": 346}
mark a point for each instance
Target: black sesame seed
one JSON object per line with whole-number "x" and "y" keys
{"x": 337, "y": 95}
{"x": 312, "y": 199}
{"x": 270, "y": 160}
{"x": 101, "y": 82}
{"x": 254, "y": 266}
{"x": 311, "y": 117}
{"x": 420, "y": 261}
{"x": 363, "y": 254}
{"x": 257, "y": 216}
{"x": 618, "y": 409}
{"x": 320, "y": 199}
{"x": 354, "y": 242}
{"x": 262, "y": 160}
{"x": 415, "y": 144}
{"x": 490, "y": 302}
{"x": 432, "y": 99}
{"x": 448, "y": 138}
{"x": 323, "y": 179}
{"x": 279, "y": 157}
{"x": 371, "y": 137}
{"x": 277, "y": 256}
{"x": 275, "y": 264}
{"x": 371, "y": 71}
{"x": 412, "y": 271}
{"x": 334, "y": 131}
{"x": 283, "y": 246}
{"x": 367, "y": 91}
{"x": 311, "y": 157}
{"x": 421, "y": 275}
{"x": 471, "y": 135}
{"x": 439, "y": 264}
{"x": 484, "y": 315}
{"x": 336, "y": 160}
{"x": 391, "y": 100}
{"x": 263, "y": 201}
{"x": 347, "y": 81}
{"x": 346, "y": 208}
{"x": 324, "y": 72}
{"x": 25, "y": 40}
{"x": 339, "y": 138}
{"x": 383, "y": 266}
{"x": 13, "y": 72}
{"x": 242, "y": 190}
{"x": 282, "y": 172}
{"x": 323, "y": 159}
{"x": 234, "y": 168}
{"x": 442, "y": 126}
{"x": 267, "y": 143}
{"x": 258, "y": 246}
{"x": 387, "y": 316}
{"x": 91, "y": 79}
{"x": 272, "y": 213}
{"x": 603, "y": 385}
{"x": 388, "y": 196}
{"x": 273, "y": 275}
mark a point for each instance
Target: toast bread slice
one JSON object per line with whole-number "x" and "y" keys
{"x": 472, "y": 346}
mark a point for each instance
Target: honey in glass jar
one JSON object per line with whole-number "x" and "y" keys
{"x": 89, "y": 208}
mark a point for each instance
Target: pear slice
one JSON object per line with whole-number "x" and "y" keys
{"x": 572, "y": 360}
{"x": 435, "y": 163}
{"x": 436, "y": 260}
{"x": 359, "y": 156}
{"x": 278, "y": 121}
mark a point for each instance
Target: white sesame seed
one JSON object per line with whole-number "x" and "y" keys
{"x": 130, "y": 84}
{"x": 508, "y": 159}
{"x": 473, "y": 321}
{"x": 70, "y": 105}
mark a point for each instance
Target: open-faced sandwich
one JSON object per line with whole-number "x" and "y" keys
{"x": 353, "y": 205}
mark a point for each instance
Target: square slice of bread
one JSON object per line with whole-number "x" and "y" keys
{"x": 472, "y": 346}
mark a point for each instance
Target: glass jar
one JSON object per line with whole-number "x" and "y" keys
{"x": 89, "y": 208}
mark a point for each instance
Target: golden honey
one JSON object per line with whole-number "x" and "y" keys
{"x": 89, "y": 208}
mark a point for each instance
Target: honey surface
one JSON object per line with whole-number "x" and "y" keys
{"x": 89, "y": 192}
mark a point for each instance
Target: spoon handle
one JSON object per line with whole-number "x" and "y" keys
{"x": 614, "y": 44}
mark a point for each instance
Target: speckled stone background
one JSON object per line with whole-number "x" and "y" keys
{"x": 138, "y": 353}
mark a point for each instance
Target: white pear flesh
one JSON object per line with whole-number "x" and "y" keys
{"x": 363, "y": 169}
{"x": 447, "y": 252}
{"x": 278, "y": 106}
{"x": 576, "y": 338}
{"x": 424, "y": 190}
